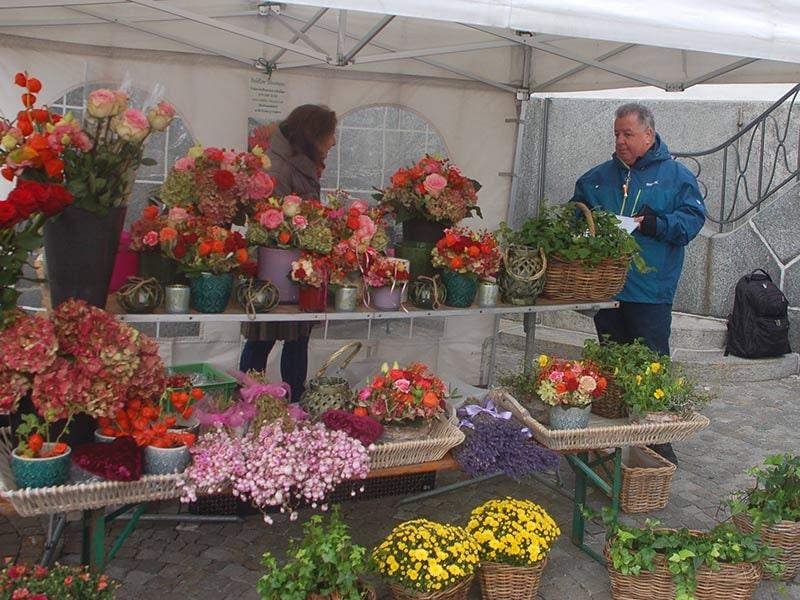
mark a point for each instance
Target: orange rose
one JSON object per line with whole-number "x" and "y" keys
{"x": 473, "y": 251}
{"x": 54, "y": 167}
{"x": 430, "y": 400}
{"x": 456, "y": 262}
{"x": 560, "y": 388}
{"x": 203, "y": 249}
{"x": 218, "y": 246}
{"x": 167, "y": 234}
{"x": 284, "y": 237}
{"x": 360, "y": 411}
{"x": 150, "y": 212}
{"x": 241, "y": 256}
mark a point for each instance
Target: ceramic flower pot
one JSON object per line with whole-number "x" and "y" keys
{"x": 210, "y": 293}
{"x": 102, "y": 438}
{"x": 418, "y": 254}
{"x": 569, "y": 417}
{"x": 274, "y": 264}
{"x": 41, "y": 472}
{"x": 461, "y": 288}
{"x": 422, "y": 230}
{"x": 165, "y": 461}
{"x": 386, "y": 298}
{"x": 312, "y": 299}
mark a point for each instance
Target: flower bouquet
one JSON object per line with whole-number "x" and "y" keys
{"x": 423, "y": 557}
{"x": 466, "y": 256}
{"x": 18, "y": 581}
{"x": 220, "y": 184}
{"x": 568, "y": 387}
{"x": 433, "y": 190}
{"x": 386, "y": 279}
{"x": 291, "y": 222}
{"x": 515, "y": 537}
{"x": 275, "y": 466}
{"x": 31, "y": 151}
{"x": 311, "y": 272}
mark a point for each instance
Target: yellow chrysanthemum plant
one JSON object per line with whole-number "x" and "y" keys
{"x": 425, "y": 556}
{"x": 513, "y": 532}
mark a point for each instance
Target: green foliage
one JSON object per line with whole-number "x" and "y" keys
{"x": 564, "y": 230}
{"x": 15, "y": 246}
{"x": 634, "y": 549}
{"x": 324, "y": 561}
{"x": 776, "y": 494}
{"x": 60, "y": 581}
{"x": 522, "y": 385}
{"x": 619, "y": 360}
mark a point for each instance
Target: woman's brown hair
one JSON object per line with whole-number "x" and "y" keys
{"x": 306, "y": 126}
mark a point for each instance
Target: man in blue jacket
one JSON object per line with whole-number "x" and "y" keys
{"x": 643, "y": 181}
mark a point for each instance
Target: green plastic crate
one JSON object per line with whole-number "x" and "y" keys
{"x": 208, "y": 378}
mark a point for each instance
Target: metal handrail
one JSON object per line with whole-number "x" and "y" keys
{"x": 744, "y": 183}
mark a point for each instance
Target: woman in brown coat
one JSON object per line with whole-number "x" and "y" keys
{"x": 298, "y": 148}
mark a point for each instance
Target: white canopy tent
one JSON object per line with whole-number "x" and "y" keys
{"x": 467, "y": 66}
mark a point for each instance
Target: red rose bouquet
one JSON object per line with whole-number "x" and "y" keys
{"x": 402, "y": 394}
{"x": 291, "y": 222}
{"x": 207, "y": 248}
{"x": 310, "y": 271}
{"x": 219, "y": 183}
{"x": 465, "y": 251}
{"x": 568, "y": 382}
{"x": 433, "y": 189}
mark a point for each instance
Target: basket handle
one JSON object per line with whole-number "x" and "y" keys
{"x": 353, "y": 349}
{"x": 587, "y": 214}
{"x": 535, "y": 276}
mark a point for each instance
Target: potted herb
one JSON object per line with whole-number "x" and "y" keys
{"x": 772, "y": 508}
{"x": 667, "y": 564}
{"x": 324, "y": 565}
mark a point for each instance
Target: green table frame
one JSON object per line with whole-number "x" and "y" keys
{"x": 585, "y": 474}
{"x": 93, "y": 534}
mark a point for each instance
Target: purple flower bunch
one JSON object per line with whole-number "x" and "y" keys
{"x": 498, "y": 445}
{"x": 275, "y": 467}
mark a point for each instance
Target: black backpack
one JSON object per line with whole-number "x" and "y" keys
{"x": 758, "y": 327}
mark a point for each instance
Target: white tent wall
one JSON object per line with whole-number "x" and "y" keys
{"x": 212, "y": 96}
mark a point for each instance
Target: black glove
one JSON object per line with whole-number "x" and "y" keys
{"x": 648, "y": 226}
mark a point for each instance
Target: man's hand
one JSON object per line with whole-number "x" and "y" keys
{"x": 647, "y": 224}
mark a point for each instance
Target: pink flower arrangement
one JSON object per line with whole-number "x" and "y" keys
{"x": 465, "y": 251}
{"x": 383, "y": 271}
{"x": 291, "y": 222}
{"x": 402, "y": 394}
{"x": 433, "y": 189}
{"x": 218, "y": 183}
{"x": 310, "y": 270}
{"x": 275, "y": 467}
{"x": 568, "y": 382}
{"x": 81, "y": 360}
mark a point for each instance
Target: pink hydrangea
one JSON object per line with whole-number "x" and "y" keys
{"x": 258, "y": 187}
{"x": 13, "y": 386}
{"x": 28, "y": 345}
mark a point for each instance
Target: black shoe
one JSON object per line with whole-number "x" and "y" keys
{"x": 666, "y": 451}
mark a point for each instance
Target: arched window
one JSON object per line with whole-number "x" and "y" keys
{"x": 372, "y": 142}
{"x": 164, "y": 148}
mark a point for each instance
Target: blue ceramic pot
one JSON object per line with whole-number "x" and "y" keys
{"x": 210, "y": 293}
{"x": 569, "y": 417}
{"x": 41, "y": 472}
{"x": 461, "y": 288}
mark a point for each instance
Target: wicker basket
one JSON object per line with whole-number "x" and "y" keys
{"x": 506, "y": 582}
{"x": 610, "y": 404}
{"x": 326, "y": 392}
{"x": 732, "y": 582}
{"x": 601, "y": 433}
{"x": 646, "y": 477}
{"x": 570, "y": 281}
{"x": 443, "y": 435}
{"x": 460, "y": 591}
{"x": 784, "y": 536}
{"x": 521, "y": 277}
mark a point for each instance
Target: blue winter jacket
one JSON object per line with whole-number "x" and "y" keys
{"x": 658, "y": 185}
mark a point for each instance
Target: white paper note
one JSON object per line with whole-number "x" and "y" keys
{"x": 627, "y": 223}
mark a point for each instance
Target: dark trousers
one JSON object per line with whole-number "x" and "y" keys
{"x": 294, "y": 361}
{"x": 632, "y": 320}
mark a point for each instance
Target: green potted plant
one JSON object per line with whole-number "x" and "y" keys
{"x": 60, "y": 581}
{"x": 772, "y": 508}
{"x": 324, "y": 565}
{"x": 667, "y": 564}
{"x": 661, "y": 391}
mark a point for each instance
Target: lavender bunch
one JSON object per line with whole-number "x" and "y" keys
{"x": 496, "y": 445}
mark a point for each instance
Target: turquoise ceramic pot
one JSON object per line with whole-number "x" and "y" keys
{"x": 211, "y": 293}
{"x": 461, "y": 288}
{"x": 41, "y": 472}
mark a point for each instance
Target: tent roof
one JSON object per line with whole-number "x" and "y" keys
{"x": 514, "y": 45}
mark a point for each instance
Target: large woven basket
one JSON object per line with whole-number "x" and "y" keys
{"x": 443, "y": 435}
{"x": 506, "y": 582}
{"x": 460, "y": 591}
{"x": 602, "y": 433}
{"x": 610, "y": 404}
{"x": 784, "y": 536}
{"x": 646, "y": 479}
{"x": 569, "y": 281}
{"x": 732, "y": 582}
{"x": 521, "y": 277}
{"x": 325, "y": 392}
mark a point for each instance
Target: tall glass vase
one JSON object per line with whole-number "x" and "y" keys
{"x": 80, "y": 249}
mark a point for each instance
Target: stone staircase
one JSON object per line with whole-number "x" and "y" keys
{"x": 696, "y": 342}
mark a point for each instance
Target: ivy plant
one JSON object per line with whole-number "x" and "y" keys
{"x": 775, "y": 496}
{"x": 325, "y": 561}
{"x": 634, "y": 549}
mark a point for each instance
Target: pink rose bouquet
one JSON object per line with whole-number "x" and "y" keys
{"x": 433, "y": 189}
{"x": 291, "y": 222}
{"x": 568, "y": 382}
{"x": 218, "y": 184}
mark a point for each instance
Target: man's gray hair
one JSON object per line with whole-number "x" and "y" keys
{"x": 644, "y": 114}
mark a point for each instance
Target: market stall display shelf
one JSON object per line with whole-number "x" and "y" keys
{"x": 602, "y": 432}
{"x": 443, "y": 436}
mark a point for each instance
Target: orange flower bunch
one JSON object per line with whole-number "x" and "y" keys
{"x": 212, "y": 249}
{"x": 465, "y": 251}
{"x": 402, "y": 394}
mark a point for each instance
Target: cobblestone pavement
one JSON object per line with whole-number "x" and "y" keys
{"x": 183, "y": 561}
